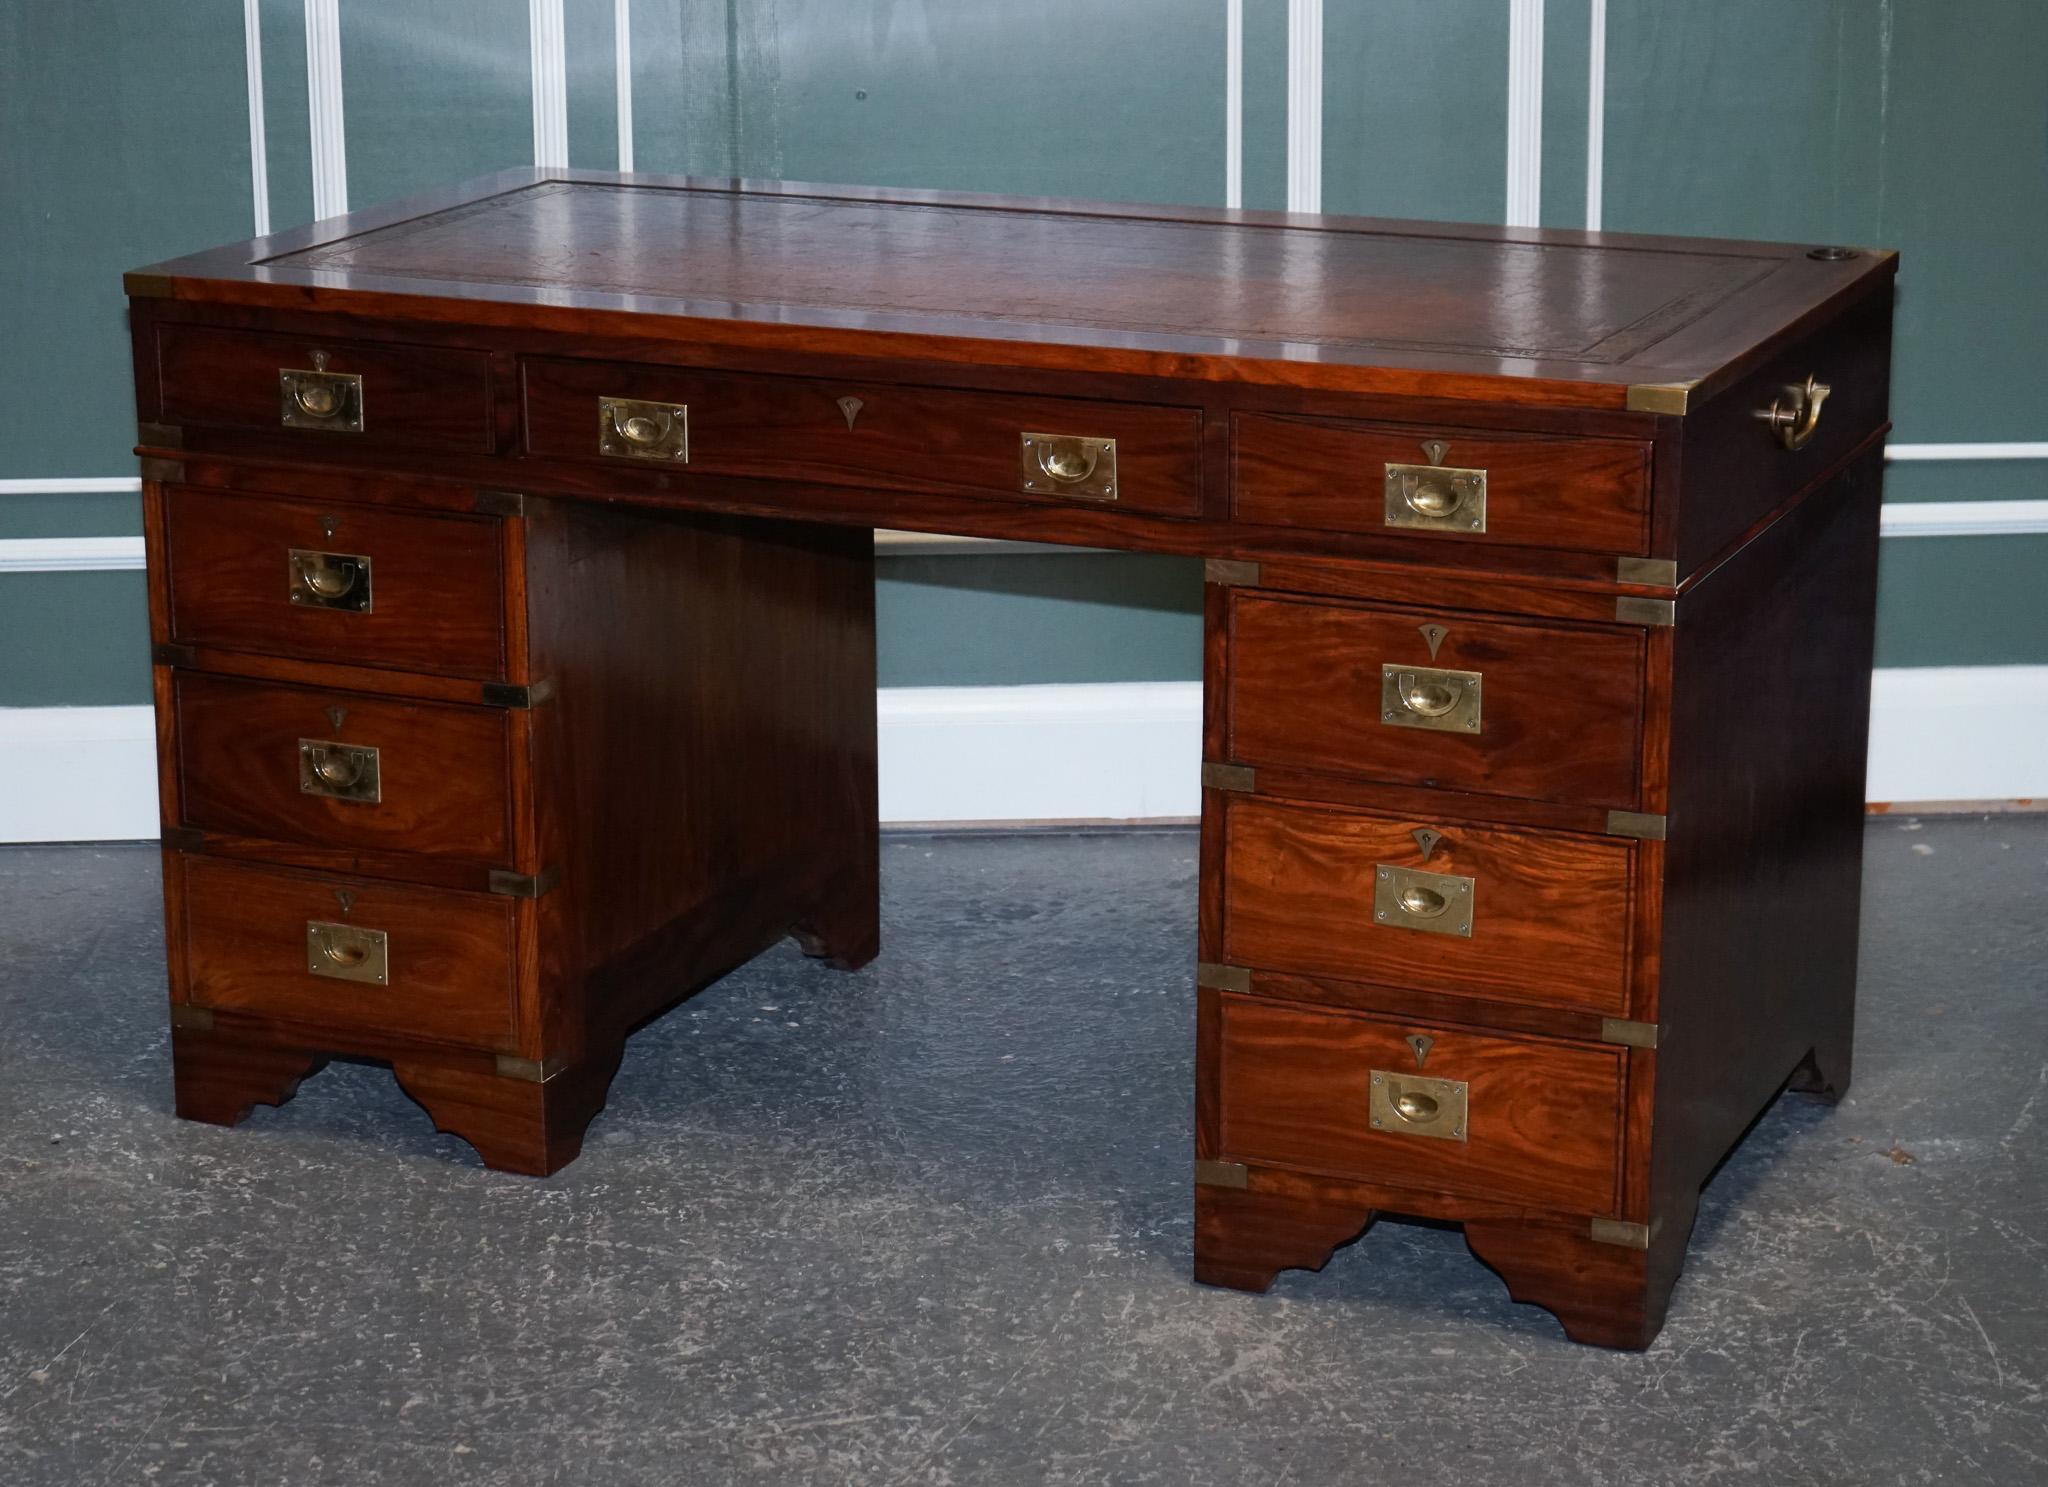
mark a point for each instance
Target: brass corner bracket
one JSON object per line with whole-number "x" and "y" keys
{"x": 1230, "y": 571}
{"x": 1228, "y": 777}
{"x": 1644, "y": 826}
{"x": 1222, "y": 1175}
{"x": 1629, "y": 1034}
{"x": 1627, "y": 1235}
{"x": 1659, "y": 397}
{"x": 524, "y": 885}
{"x": 1223, "y": 978}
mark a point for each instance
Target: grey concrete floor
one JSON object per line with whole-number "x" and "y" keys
{"x": 929, "y": 1224}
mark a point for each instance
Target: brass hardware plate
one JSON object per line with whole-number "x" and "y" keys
{"x": 1429, "y": 697}
{"x": 1229, "y": 777}
{"x": 1230, "y": 571}
{"x": 1628, "y": 1034}
{"x": 147, "y": 286}
{"x": 1644, "y": 826}
{"x": 329, "y": 580}
{"x": 343, "y": 952}
{"x": 329, "y": 401}
{"x": 181, "y": 839}
{"x": 1223, "y": 978}
{"x": 523, "y": 885}
{"x": 340, "y": 771}
{"x": 1433, "y": 903}
{"x": 1412, "y": 1105}
{"x": 199, "y": 1019}
{"x": 531, "y": 1070}
{"x": 499, "y": 503}
{"x": 161, "y": 470}
{"x": 514, "y": 694}
{"x": 1627, "y": 1235}
{"x": 636, "y": 430}
{"x": 1222, "y": 1175}
{"x": 1659, "y": 397}
{"x": 1646, "y": 611}
{"x": 1436, "y": 498}
{"x": 160, "y": 435}
{"x": 1660, "y": 571}
{"x": 168, "y": 654}
{"x": 1067, "y": 465}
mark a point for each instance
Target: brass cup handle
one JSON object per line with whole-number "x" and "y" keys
{"x": 643, "y": 429}
{"x": 1068, "y": 461}
{"x": 1432, "y": 498}
{"x": 325, "y": 578}
{"x": 1429, "y": 697}
{"x": 1794, "y": 414}
{"x": 345, "y": 953}
{"x": 1417, "y": 1108}
{"x": 337, "y": 767}
{"x": 1422, "y": 903}
{"x": 316, "y": 399}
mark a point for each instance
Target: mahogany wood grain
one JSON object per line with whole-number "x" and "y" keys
{"x": 1560, "y": 709}
{"x": 444, "y": 771}
{"x": 1541, "y": 491}
{"x": 437, "y": 589}
{"x": 918, "y": 439}
{"x": 412, "y": 395}
{"x": 535, "y": 1127}
{"x": 452, "y": 967}
{"x": 1550, "y": 911}
{"x": 222, "y": 1073}
{"x": 1544, "y": 1118}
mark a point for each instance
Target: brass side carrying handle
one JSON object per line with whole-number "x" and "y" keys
{"x": 1067, "y": 465}
{"x": 1794, "y": 413}
{"x": 340, "y": 771}
{"x": 329, "y": 580}
{"x": 346, "y": 952}
{"x": 637, "y": 429}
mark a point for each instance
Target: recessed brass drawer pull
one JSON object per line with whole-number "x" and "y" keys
{"x": 1794, "y": 414}
{"x": 1434, "y": 903}
{"x": 1409, "y": 1105}
{"x": 1429, "y": 697}
{"x": 1435, "y": 497}
{"x": 340, "y": 771}
{"x": 342, "y": 952}
{"x": 633, "y": 429}
{"x": 329, "y": 580}
{"x": 1067, "y": 465}
{"x": 316, "y": 398}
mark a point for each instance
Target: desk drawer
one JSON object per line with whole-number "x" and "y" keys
{"x": 1588, "y": 495}
{"x": 367, "y": 586}
{"x": 445, "y": 959}
{"x": 327, "y": 392}
{"x": 339, "y": 769}
{"x": 875, "y": 436}
{"x": 1532, "y": 1121}
{"x": 1539, "y": 917}
{"x": 1539, "y": 711}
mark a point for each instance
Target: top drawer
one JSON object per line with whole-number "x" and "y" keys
{"x": 874, "y": 435}
{"x": 421, "y": 397}
{"x": 1523, "y": 490}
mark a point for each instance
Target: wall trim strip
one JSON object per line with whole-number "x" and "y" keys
{"x": 71, "y": 485}
{"x": 548, "y": 45}
{"x": 259, "y": 148}
{"x": 622, "y": 73}
{"x": 1966, "y": 452}
{"x": 1964, "y": 518}
{"x": 1304, "y": 105}
{"x": 70, "y": 554}
{"x": 1525, "y": 114}
{"x": 326, "y": 117}
{"x": 1596, "y": 113}
{"x": 1233, "y": 103}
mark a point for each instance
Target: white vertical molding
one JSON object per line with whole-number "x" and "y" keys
{"x": 323, "y": 103}
{"x": 1525, "y": 113}
{"x": 1596, "y": 112}
{"x": 259, "y": 151}
{"x": 550, "y": 51}
{"x": 622, "y": 63}
{"x": 1304, "y": 105}
{"x": 1233, "y": 103}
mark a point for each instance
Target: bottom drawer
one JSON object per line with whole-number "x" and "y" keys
{"x": 350, "y": 953}
{"x": 1517, "y": 1120}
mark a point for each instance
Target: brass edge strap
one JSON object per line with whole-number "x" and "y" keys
{"x": 197, "y": 1018}
{"x": 1229, "y": 777}
{"x": 160, "y": 435}
{"x": 524, "y": 885}
{"x": 507, "y": 694}
{"x": 1223, "y": 978}
{"x": 498, "y": 503}
{"x": 1230, "y": 571}
{"x": 1660, "y": 571}
{"x": 169, "y": 654}
{"x": 1645, "y": 611}
{"x": 532, "y": 1071}
{"x": 1645, "y": 826}
{"x": 146, "y": 286}
{"x": 161, "y": 469}
{"x": 1627, "y": 1235}
{"x": 1628, "y": 1034}
{"x": 1660, "y": 397}
{"x": 1222, "y": 1175}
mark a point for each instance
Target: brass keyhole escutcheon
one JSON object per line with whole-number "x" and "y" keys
{"x": 1433, "y": 498}
{"x": 1069, "y": 461}
{"x": 1432, "y": 699}
{"x": 1423, "y": 903}
{"x": 1417, "y": 1108}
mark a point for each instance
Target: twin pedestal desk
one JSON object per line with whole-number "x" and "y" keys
{"x": 511, "y": 586}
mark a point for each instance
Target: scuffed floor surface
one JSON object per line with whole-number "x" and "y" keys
{"x": 929, "y": 1223}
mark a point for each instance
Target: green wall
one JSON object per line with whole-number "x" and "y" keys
{"x": 1911, "y": 123}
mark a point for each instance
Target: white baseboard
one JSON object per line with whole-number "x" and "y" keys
{"x": 1126, "y": 751}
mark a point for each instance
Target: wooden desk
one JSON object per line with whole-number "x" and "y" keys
{"x": 511, "y": 586}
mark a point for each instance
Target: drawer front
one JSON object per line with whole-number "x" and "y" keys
{"x": 339, "y": 769}
{"x": 1525, "y": 916}
{"x": 446, "y": 958}
{"x": 1541, "y": 1120}
{"x": 875, "y": 436}
{"x": 1587, "y": 495}
{"x": 1441, "y": 699}
{"x": 284, "y": 578}
{"x": 328, "y": 393}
